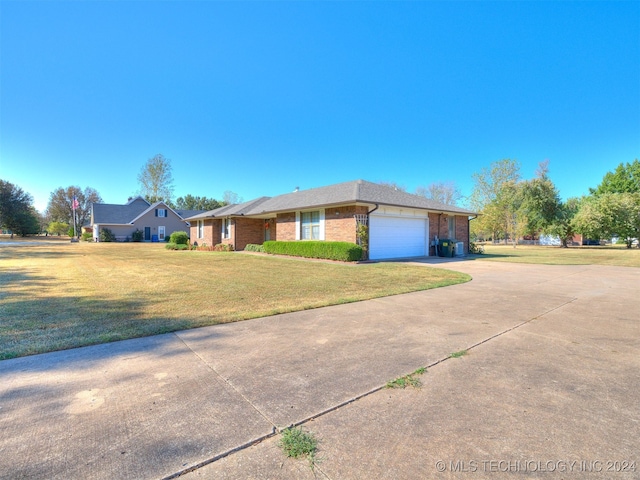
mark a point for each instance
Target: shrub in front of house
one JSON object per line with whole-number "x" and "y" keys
{"x": 137, "y": 236}
{"x": 107, "y": 235}
{"x": 253, "y": 247}
{"x": 220, "y": 247}
{"x": 176, "y": 246}
{"x": 341, "y": 251}
{"x": 179, "y": 238}
{"x": 87, "y": 236}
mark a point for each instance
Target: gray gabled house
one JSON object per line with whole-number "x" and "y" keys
{"x": 156, "y": 221}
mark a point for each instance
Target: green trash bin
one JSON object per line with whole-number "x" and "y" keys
{"x": 447, "y": 247}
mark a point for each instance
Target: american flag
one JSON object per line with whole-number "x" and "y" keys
{"x": 75, "y": 203}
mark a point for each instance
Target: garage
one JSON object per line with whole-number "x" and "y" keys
{"x": 397, "y": 237}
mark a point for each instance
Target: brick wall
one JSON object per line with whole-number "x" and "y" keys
{"x": 247, "y": 230}
{"x": 211, "y": 232}
{"x": 461, "y": 229}
{"x": 339, "y": 224}
{"x": 285, "y": 227}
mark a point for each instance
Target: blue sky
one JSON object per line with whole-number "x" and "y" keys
{"x": 261, "y": 97}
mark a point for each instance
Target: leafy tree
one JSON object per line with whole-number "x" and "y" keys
{"x": 590, "y": 220}
{"x": 625, "y": 179}
{"x": 156, "y": 180}
{"x": 496, "y": 196}
{"x": 189, "y": 202}
{"x": 563, "y": 225}
{"x": 443, "y": 192}
{"x": 610, "y": 214}
{"x": 31, "y": 222}
{"x": 28, "y": 222}
{"x": 508, "y": 211}
{"x": 58, "y": 228}
{"x": 60, "y": 208}
{"x": 17, "y": 213}
{"x": 540, "y": 202}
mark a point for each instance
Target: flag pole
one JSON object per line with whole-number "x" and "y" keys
{"x": 74, "y": 202}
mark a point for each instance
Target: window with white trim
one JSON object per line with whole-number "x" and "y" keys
{"x": 161, "y": 233}
{"x": 452, "y": 227}
{"x": 310, "y": 225}
{"x": 226, "y": 228}
{"x": 200, "y": 228}
{"x": 161, "y": 212}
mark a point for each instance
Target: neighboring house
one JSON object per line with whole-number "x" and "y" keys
{"x": 156, "y": 221}
{"x": 400, "y": 224}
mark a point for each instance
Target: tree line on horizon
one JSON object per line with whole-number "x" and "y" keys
{"x": 509, "y": 207}
{"x": 19, "y": 216}
{"x": 512, "y": 208}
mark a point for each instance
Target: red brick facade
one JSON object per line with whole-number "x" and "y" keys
{"x": 439, "y": 226}
{"x": 211, "y": 232}
{"x": 462, "y": 231}
{"x": 285, "y": 227}
{"x": 339, "y": 225}
{"x": 247, "y": 230}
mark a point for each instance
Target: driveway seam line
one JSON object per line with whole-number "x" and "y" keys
{"x": 499, "y": 334}
{"x": 227, "y": 382}
{"x": 219, "y": 456}
{"x": 333, "y": 408}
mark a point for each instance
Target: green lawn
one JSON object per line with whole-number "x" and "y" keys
{"x": 603, "y": 255}
{"x": 62, "y": 295}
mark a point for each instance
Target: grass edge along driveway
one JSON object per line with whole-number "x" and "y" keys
{"x": 59, "y": 296}
{"x": 617, "y": 255}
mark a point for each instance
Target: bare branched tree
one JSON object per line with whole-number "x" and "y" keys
{"x": 443, "y": 192}
{"x": 156, "y": 180}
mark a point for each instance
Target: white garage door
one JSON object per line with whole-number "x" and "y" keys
{"x": 397, "y": 237}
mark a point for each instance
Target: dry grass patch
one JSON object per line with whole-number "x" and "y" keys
{"x": 605, "y": 255}
{"x": 58, "y": 296}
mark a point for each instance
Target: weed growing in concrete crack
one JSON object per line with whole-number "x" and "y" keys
{"x": 459, "y": 354}
{"x": 408, "y": 380}
{"x": 296, "y": 443}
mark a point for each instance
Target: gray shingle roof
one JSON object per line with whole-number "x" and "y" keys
{"x": 231, "y": 210}
{"x": 106, "y": 213}
{"x": 189, "y": 213}
{"x": 358, "y": 191}
{"x": 111, "y": 214}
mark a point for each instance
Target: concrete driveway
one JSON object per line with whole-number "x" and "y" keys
{"x": 549, "y": 388}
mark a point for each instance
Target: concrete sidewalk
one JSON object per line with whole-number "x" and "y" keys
{"x": 552, "y": 375}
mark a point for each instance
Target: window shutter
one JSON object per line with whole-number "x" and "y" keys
{"x": 156, "y": 212}
{"x": 166, "y": 212}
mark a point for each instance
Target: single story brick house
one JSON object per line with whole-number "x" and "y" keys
{"x": 401, "y": 225}
{"x": 156, "y": 221}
